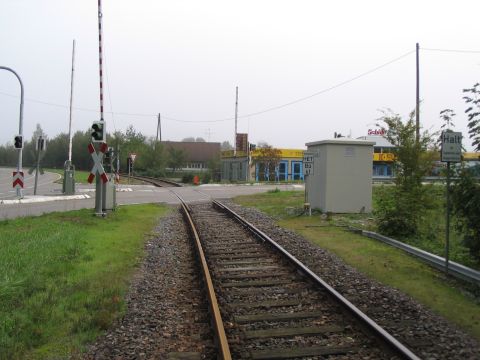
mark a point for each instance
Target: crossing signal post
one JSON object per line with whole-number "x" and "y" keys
{"x": 99, "y": 137}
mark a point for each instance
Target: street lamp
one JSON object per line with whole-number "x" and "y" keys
{"x": 20, "y": 127}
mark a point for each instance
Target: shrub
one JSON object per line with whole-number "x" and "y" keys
{"x": 187, "y": 178}
{"x": 206, "y": 177}
{"x": 466, "y": 206}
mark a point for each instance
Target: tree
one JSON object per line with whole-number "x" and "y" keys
{"x": 154, "y": 159}
{"x": 466, "y": 189}
{"x": 176, "y": 158}
{"x": 226, "y": 146}
{"x": 466, "y": 207}
{"x": 473, "y": 112}
{"x": 189, "y": 139}
{"x": 267, "y": 159}
{"x": 400, "y": 210}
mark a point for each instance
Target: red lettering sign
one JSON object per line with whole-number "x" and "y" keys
{"x": 377, "y": 132}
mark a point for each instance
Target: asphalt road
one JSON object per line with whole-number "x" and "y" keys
{"x": 45, "y": 183}
{"x": 51, "y": 200}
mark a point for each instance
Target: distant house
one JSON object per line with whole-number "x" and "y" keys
{"x": 198, "y": 154}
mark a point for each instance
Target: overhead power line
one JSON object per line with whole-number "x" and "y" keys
{"x": 273, "y": 108}
{"x": 453, "y": 50}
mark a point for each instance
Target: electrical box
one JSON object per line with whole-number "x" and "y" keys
{"x": 109, "y": 196}
{"x": 68, "y": 182}
{"x": 342, "y": 178}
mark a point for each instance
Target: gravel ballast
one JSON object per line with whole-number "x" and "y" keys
{"x": 427, "y": 334}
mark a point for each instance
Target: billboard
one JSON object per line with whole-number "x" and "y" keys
{"x": 241, "y": 142}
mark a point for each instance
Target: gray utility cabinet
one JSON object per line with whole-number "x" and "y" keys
{"x": 342, "y": 175}
{"x": 68, "y": 182}
{"x": 109, "y": 196}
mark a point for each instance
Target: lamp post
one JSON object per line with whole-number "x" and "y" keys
{"x": 20, "y": 127}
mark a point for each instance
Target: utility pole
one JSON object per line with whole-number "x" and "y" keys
{"x": 236, "y": 118}
{"x": 159, "y": 128}
{"x": 417, "y": 108}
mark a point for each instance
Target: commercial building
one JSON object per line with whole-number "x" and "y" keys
{"x": 197, "y": 154}
{"x": 383, "y": 158}
{"x": 263, "y": 164}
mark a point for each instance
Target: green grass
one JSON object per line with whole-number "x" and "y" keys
{"x": 375, "y": 259}
{"x": 63, "y": 277}
{"x": 80, "y": 176}
{"x": 275, "y": 203}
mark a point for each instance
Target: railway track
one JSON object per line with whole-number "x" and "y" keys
{"x": 157, "y": 182}
{"x": 267, "y": 305}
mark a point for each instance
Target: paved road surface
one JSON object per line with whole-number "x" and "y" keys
{"x": 44, "y": 186}
{"x": 127, "y": 194}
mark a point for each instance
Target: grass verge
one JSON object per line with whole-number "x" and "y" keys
{"x": 64, "y": 276}
{"x": 381, "y": 262}
{"x": 82, "y": 176}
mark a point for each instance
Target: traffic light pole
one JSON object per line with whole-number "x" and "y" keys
{"x": 20, "y": 127}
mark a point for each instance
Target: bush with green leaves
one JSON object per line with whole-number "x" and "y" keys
{"x": 399, "y": 211}
{"x": 466, "y": 207}
{"x": 187, "y": 178}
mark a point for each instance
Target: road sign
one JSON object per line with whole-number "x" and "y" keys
{"x": 133, "y": 156}
{"x": 451, "y": 146}
{"x": 308, "y": 159}
{"x": 18, "y": 179}
{"x": 97, "y": 163}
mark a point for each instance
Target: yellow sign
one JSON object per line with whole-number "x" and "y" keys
{"x": 387, "y": 157}
{"x": 230, "y": 154}
{"x": 471, "y": 156}
{"x": 284, "y": 153}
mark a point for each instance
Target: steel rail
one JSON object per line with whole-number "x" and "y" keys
{"x": 155, "y": 181}
{"x": 376, "y": 329}
{"x": 224, "y": 350}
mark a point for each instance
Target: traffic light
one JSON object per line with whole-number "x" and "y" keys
{"x": 18, "y": 142}
{"x": 98, "y": 134}
{"x": 108, "y": 160}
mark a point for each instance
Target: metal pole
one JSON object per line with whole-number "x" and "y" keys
{"x": 20, "y": 126}
{"x": 71, "y": 103}
{"x": 99, "y": 188}
{"x": 38, "y": 165}
{"x": 159, "y": 128}
{"x": 417, "y": 108}
{"x": 447, "y": 231}
{"x": 236, "y": 117}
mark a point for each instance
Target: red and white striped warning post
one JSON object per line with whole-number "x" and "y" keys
{"x": 18, "y": 179}
{"x": 100, "y": 55}
{"x": 97, "y": 162}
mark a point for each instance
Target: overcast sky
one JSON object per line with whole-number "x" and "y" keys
{"x": 183, "y": 59}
